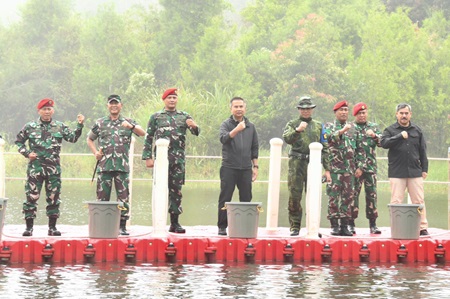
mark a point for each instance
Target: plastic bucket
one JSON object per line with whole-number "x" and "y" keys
{"x": 243, "y": 218}
{"x": 3, "y": 202}
{"x": 104, "y": 219}
{"x": 405, "y": 221}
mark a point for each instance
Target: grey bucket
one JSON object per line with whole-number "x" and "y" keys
{"x": 3, "y": 202}
{"x": 104, "y": 219}
{"x": 243, "y": 218}
{"x": 405, "y": 221}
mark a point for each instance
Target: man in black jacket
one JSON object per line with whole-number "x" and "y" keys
{"x": 240, "y": 150}
{"x": 408, "y": 162}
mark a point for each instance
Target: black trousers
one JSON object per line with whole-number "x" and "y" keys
{"x": 229, "y": 179}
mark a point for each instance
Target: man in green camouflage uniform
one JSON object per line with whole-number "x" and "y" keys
{"x": 342, "y": 147}
{"x": 299, "y": 133}
{"x": 114, "y": 133}
{"x": 44, "y": 138}
{"x": 171, "y": 124}
{"x": 368, "y": 136}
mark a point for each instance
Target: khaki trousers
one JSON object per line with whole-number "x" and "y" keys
{"x": 415, "y": 190}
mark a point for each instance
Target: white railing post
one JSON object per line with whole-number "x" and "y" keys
{"x": 314, "y": 191}
{"x": 160, "y": 193}
{"x": 273, "y": 197}
{"x": 448, "y": 190}
{"x": 2, "y": 169}
{"x": 130, "y": 183}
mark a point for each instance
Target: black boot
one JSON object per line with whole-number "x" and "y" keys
{"x": 29, "y": 230}
{"x": 344, "y": 228}
{"x": 52, "y": 231}
{"x": 175, "y": 227}
{"x": 335, "y": 227}
{"x": 123, "y": 228}
{"x": 373, "y": 227}
{"x": 351, "y": 226}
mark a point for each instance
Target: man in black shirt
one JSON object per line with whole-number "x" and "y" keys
{"x": 408, "y": 162}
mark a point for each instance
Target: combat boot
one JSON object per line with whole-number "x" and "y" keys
{"x": 351, "y": 226}
{"x": 29, "y": 230}
{"x": 52, "y": 231}
{"x": 335, "y": 227}
{"x": 344, "y": 228}
{"x": 123, "y": 228}
{"x": 175, "y": 227}
{"x": 373, "y": 227}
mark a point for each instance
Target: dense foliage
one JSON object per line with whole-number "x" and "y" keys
{"x": 270, "y": 52}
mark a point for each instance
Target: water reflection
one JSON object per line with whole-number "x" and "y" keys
{"x": 116, "y": 280}
{"x": 199, "y": 205}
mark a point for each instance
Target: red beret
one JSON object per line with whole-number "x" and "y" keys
{"x": 358, "y": 107}
{"x": 340, "y": 104}
{"x": 168, "y": 92}
{"x": 47, "y": 102}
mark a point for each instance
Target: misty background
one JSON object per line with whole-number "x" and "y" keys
{"x": 269, "y": 52}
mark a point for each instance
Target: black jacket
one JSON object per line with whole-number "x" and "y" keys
{"x": 238, "y": 152}
{"x": 407, "y": 157}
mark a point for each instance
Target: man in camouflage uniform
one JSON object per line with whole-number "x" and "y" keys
{"x": 368, "y": 136}
{"x": 299, "y": 133}
{"x": 342, "y": 147}
{"x": 114, "y": 133}
{"x": 44, "y": 138}
{"x": 171, "y": 124}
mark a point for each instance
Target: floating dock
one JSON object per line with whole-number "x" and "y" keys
{"x": 202, "y": 244}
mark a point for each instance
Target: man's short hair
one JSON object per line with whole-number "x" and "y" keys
{"x": 403, "y": 105}
{"x": 236, "y": 99}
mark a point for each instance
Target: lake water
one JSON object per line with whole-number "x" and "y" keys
{"x": 163, "y": 280}
{"x": 224, "y": 281}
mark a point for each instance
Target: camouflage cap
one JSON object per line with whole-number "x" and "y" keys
{"x": 305, "y": 103}
{"x": 114, "y": 97}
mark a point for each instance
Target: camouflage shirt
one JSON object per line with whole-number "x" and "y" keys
{"x": 343, "y": 149}
{"x": 114, "y": 141}
{"x": 45, "y": 139}
{"x": 299, "y": 141}
{"x": 369, "y": 144}
{"x": 172, "y": 126}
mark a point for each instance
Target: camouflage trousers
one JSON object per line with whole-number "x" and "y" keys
{"x": 370, "y": 188}
{"x": 33, "y": 187}
{"x": 340, "y": 196}
{"x": 176, "y": 181}
{"x": 121, "y": 182}
{"x": 297, "y": 176}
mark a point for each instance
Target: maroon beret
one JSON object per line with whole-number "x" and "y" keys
{"x": 169, "y": 92}
{"x": 47, "y": 102}
{"x": 358, "y": 107}
{"x": 340, "y": 104}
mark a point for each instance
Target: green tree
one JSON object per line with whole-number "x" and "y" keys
{"x": 182, "y": 25}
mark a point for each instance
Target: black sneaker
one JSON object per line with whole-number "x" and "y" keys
{"x": 375, "y": 230}
{"x": 52, "y": 231}
{"x": 176, "y": 228}
{"x": 28, "y": 232}
{"x": 222, "y": 231}
{"x": 424, "y": 232}
{"x": 295, "y": 232}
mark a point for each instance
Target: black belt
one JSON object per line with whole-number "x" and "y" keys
{"x": 299, "y": 156}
